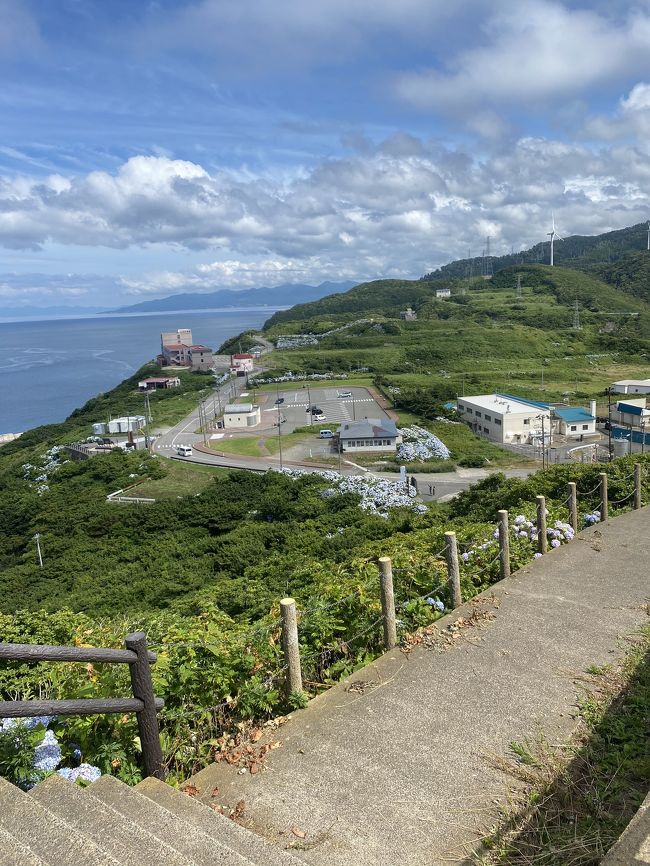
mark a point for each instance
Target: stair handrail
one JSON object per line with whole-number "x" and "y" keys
{"x": 144, "y": 703}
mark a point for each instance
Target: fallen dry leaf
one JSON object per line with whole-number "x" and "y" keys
{"x": 298, "y": 832}
{"x": 191, "y": 791}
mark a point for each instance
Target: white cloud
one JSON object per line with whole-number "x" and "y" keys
{"x": 256, "y": 36}
{"x": 398, "y": 210}
{"x": 534, "y": 53}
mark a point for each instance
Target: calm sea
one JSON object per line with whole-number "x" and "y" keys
{"x": 49, "y": 368}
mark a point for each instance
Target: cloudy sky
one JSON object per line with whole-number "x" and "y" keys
{"x": 148, "y": 148}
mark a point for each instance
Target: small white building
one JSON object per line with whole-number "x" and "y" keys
{"x": 408, "y": 315}
{"x": 632, "y": 386}
{"x": 371, "y": 434}
{"x": 128, "y": 424}
{"x": 575, "y": 422}
{"x": 505, "y": 419}
{"x": 632, "y": 413}
{"x": 241, "y": 415}
{"x": 443, "y": 293}
{"x": 241, "y": 363}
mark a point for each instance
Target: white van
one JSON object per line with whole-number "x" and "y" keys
{"x": 326, "y": 434}
{"x": 184, "y": 450}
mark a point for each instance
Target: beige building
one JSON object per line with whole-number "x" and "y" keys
{"x": 241, "y": 416}
{"x": 506, "y": 419}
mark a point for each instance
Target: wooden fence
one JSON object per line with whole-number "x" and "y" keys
{"x": 143, "y": 703}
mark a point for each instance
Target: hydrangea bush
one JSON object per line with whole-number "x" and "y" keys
{"x": 419, "y": 445}
{"x": 376, "y": 495}
{"x": 30, "y": 750}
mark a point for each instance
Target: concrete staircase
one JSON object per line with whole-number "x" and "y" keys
{"x": 109, "y": 824}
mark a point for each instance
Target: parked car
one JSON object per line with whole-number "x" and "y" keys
{"x": 326, "y": 434}
{"x": 316, "y": 411}
{"x": 345, "y": 393}
{"x": 320, "y": 418}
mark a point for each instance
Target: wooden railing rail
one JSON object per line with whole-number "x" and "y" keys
{"x": 143, "y": 703}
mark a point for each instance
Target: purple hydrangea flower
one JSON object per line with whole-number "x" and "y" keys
{"x": 538, "y": 555}
{"x": 555, "y": 543}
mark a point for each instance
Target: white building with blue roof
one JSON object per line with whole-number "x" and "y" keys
{"x": 574, "y": 422}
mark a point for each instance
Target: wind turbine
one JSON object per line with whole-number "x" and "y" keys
{"x": 553, "y": 234}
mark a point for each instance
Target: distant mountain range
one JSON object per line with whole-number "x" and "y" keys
{"x": 276, "y": 296}
{"x": 27, "y": 312}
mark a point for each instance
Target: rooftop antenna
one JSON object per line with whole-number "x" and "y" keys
{"x": 553, "y": 234}
{"x": 576, "y": 315}
{"x": 518, "y": 294}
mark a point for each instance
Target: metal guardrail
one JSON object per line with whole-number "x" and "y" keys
{"x": 143, "y": 703}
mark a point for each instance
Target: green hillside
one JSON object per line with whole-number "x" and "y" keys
{"x": 576, "y": 251}
{"x": 483, "y": 337}
{"x": 629, "y": 274}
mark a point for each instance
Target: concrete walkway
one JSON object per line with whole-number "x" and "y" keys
{"x": 398, "y": 765}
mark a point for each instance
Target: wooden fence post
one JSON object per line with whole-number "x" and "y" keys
{"x": 388, "y": 602}
{"x": 637, "y": 485}
{"x": 573, "y": 505}
{"x": 453, "y": 571}
{"x": 147, "y": 719}
{"x": 290, "y": 646}
{"x": 504, "y": 545}
{"x": 542, "y": 542}
{"x": 603, "y": 496}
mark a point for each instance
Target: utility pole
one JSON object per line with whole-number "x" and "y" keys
{"x": 311, "y": 415}
{"x": 37, "y": 539}
{"x": 609, "y": 423}
{"x": 280, "y": 435}
{"x": 518, "y": 293}
{"x": 576, "y": 315}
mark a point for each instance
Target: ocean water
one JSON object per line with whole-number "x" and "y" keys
{"x": 49, "y": 368}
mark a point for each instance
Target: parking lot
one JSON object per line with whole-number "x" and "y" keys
{"x": 336, "y": 409}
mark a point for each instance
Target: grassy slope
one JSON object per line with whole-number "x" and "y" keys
{"x": 486, "y": 340}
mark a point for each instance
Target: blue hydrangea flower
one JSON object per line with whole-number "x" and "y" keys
{"x": 555, "y": 543}
{"x": 538, "y": 555}
{"x": 85, "y": 772}
{"x": 47, "y": 755}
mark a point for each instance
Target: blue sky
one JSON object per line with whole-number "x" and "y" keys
{"x": 155, "y": 147}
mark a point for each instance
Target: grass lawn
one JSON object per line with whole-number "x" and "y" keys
{"x": 182, "y": 479}
{"x": 246, "y": 446}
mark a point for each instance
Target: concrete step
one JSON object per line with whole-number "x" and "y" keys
{"x": 56, "y": 842}
{"x": 127, "y": 842}
{"x": 215, "y": 825}
{"x": 13, "y": 852}
{"x": 183, "y": 837}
